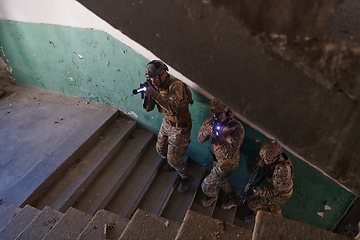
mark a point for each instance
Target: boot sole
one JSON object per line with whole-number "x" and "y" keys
{"x": 208, "y": 205}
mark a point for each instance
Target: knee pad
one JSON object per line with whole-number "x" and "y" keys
{"x": 175, "y": 162}
{"x": 209, "y": 190}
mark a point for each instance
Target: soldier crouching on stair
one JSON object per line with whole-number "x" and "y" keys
{"x": 227, "y": 135}
{"x": 279, "y": 172}
{"x": 172, "y": 98}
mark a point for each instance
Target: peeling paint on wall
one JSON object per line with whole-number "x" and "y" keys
{"x": 132, "y": 113}
{"x": 4, "y": 70}
{"x": 86, "y": 64}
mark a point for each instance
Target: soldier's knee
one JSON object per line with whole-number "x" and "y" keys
{"x": 161, "y": 150}
{"x": 275, "y": 210}
{"x": 203, "y": 186}
{"x": 176, "y": 162}
{"x": 254, "y": 204}
{"x": 208, "y": 189}
{"x": 175, "y": 158}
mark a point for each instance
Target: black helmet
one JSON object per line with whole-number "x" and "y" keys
{"x": 154, "y": 68}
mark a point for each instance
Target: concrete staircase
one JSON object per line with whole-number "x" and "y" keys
{"x": 31, "y": 223}
{"x": 112, "y": 187}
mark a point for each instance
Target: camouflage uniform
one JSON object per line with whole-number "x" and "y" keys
{"x": 173, "y": 100}
{"x": 279, "y": 188}
{"x": 225, "y": 146}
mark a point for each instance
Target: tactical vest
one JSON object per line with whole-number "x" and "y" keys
{"x": 288, "y": 184}
{"x": 233, "y": 126}
{"x": 183, "y": 108}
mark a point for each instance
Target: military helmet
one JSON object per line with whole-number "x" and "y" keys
{"x": 154, "y": 68}
{"x": 217, "y": 107}
{"x": 270, "y": 149}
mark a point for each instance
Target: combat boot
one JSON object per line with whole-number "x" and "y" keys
{"x": 250, "y": 216}
{"x": 185, "y": 184}
{"x": 206, "y": 202}
{"x": 232, "y": 202}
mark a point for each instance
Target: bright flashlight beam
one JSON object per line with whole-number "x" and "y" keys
{"x": 142, "y": 89}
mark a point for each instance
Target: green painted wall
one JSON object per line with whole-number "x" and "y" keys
{"x": 92, "y": 65}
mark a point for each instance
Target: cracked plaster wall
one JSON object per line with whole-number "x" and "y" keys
{"x": 84, "y": 63}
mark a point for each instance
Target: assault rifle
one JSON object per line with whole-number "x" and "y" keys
{"x": 255, "y": 174}
{"x": 249, "y": 185}
{"x": 142, "y": 89}
{"x": 212, "y": 153}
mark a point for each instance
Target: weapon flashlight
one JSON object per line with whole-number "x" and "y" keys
{"x": 143, "y": 88}
{"x": 217, "y": 130}
{"x": 216, "y": 124}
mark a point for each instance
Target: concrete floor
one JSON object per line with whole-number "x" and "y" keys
{"x": 32, "y": 124}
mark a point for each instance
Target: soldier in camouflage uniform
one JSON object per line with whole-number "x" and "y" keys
{"x": 172, "y": 98}
{"x": 226, "y": 135}
{"x": 279, "y": 172}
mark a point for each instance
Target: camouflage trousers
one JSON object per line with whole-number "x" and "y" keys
{"x": 273, "y": 203}
{"x": 217, "y": 177}
{"x": 172, "y": 143}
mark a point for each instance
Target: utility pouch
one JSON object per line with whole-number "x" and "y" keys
{"x": 228, "y": 164}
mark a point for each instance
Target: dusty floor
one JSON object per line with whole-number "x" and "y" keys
{"x": 32, "y": 124}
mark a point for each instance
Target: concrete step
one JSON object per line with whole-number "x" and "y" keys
{"x": 159, "y": 191}
{"x": 18, "y": 223}
{"x": 144, "y": 225}
{"x": 265, "y": 223}
{"x": 348, "y": 225}
{"x": 43, "y": 175}
{"x": 63, "y": 193}
{"x": 199, "y": 226}
{"x": 221, "y": 214}
{"x": 9, "y": 213}
{"x": 127, "y": 198}
{"x": 2, "y": 208}
{"x": 70, "y": 225}
{"x": 104, "y": 226}
{"x": 239, "y": 218}
{"x": 179, "y": 203}
{"x": 108, "y": 181}
{"x": 41, "y": 224}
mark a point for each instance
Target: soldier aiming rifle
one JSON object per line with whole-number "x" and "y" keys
{"x": 172, "y": 98}
{"x": 226, "y": 135}
{"x": 279, "y": 172}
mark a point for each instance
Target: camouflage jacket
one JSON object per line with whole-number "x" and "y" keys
{"x": 173, "y": 100}
{"x": 280, "y": 180}
{"x": 227, "y": 144}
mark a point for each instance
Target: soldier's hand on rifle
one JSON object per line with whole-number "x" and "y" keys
{"x": 150, "y": 91}
{"x": 211, "y": 131}
{"x": 250, "y": 192}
